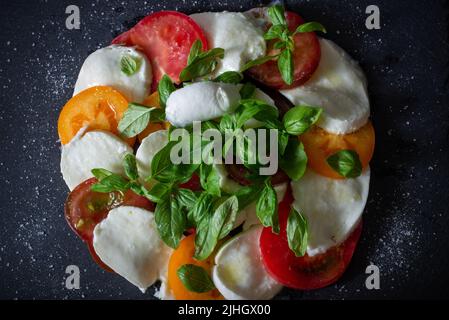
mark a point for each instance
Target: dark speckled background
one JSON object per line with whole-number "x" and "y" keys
{"x": 407, "y": 218}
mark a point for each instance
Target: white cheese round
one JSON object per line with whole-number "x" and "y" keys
{"x": 96, "y": 149}
{"x": 128, "y": 242}
{"x": 103, "y": 68}
{"x": 148, "y": 148}
{"x": 339, "y": 87}
{"x": 239, "y": 273}
{"x": 236, "y": 34}
{"x": 332, "y": 207}
{"x": 201, "y": 101}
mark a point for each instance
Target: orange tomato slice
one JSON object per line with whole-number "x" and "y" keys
{"x": 152, "y": 101}
{"x": 99, "y": 108}
{"x": 320, "y": 144}
{"x": 184, "y": 255}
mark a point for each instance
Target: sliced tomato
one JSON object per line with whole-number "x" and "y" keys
{"x": 320, "y": 144}
{"x": 84, "y": 209}
{"x": 306, "y": 272}
{"x": 166, "y": 38}
{"x": 306, "y": 58}
{"x": 184, "y": 255}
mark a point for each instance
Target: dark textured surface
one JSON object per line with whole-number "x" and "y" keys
{"x": 406, "y": 220}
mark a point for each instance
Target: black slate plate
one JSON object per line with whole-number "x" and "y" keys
{"x": 405, "y": 223}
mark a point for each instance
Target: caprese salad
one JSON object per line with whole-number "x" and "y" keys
{"x": 219, "y": 229}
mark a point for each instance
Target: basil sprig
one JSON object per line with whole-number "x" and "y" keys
{"x": 195, "y": 278}
{"x": 129, "y": 65}
{"x": 299, "y": 119}
{"x": 284, "y": 41}
{"x": 346, "y": 163}
{"x": 233, "y": 77}
{"x": 164, "y": 89}
{"x": 267, "y": 207}
{"x": 137, "y": 117}
{"x": 297, "y": 233}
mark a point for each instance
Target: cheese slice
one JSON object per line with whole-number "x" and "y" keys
{"x": 148, "y": 148}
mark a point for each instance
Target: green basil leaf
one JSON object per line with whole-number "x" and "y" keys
{"x": 248, "y": 194}
{"x": 195, "y": 278}
{"x": 297, "y": 233}
{"x": 250, "y": 107}
{"x": 228, "y": 122}
{"x": 205, "y": 125}
{"x": 158, "y": 191}
{"x": 280, "y": 45}
{"x": 202, "y": 65}
{"x": 247, "y": 90}
{"x": 233, "y": 77}
{"x": 201, "y": 209}
{"x": 283, "y": 138}
{"x": 130, "y": 65}
{"x": 186, "y": 197}
{"x": 215, "y": 227}
{"x": 100, "y": 174}
{"x": 136, "y": 119}
{"x": 165, "y": 88}
{"x": 277, "y": 15}
{"x": 195, "y": 50}
{"x": 210, "y": 179}
{"x": 170, "y": 221}
{"x": 294, "y": 161}
{"x": 299, "y": 119}
{"x": 274, "y": 32}
{"x": 257, "y": 62}
{"x": 285, "y": 66}
{"x": 310, "y": 27}
{"x": 130, "y": 166}
{"x": 346, "y": 163}
{"x": 113, "y": 182}
{"x": 267, "y": 208}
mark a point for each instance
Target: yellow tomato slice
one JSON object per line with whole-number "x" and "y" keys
{"x": 184, "y": 255}
{"x": 320, "y": 144}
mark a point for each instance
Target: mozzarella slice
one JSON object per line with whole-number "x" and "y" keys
{"x": 332, "y": 207}
{"x": 339, "y": 87}
{"x": 201, "y": 101}
{"x": 96, "y": 149}
{"x": 103, "y": 68}
{"x": 129, "y": 243}
{"x": 236, "y": 34}
{"x": 148, "y": 148}
{"x": 239, "y": 273}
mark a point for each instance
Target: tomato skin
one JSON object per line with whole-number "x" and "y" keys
{"x": 166, "y": 38}
{"x": 306, "y": 58}
{"x": 304, "y": 273}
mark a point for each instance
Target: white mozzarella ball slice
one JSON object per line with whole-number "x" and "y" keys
{"x": 339, "y": 87}
{"x": 236, "y": 34}
{"x": 148, "y": 148}
{"x": 128, "y": 242}
{"x": 239, "y": 273}
{"x": 201, "y": 101}
{"x": 103, "y": 68}
{"x": 332, "y": 207}
{"x": 96, "y": 149}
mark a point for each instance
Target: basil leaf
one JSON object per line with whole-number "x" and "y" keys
{"x": 186, "y": 197}
{"x": 250, "y": 107}
{"x": 205, "y": 125}
{"x": 130, "y": 65}
{"x": 294, "y": 160}
{"x": 299, "y": 119}
{"x": 165, "y": 88}
{"x": 202, "y": 65}
{"x": 297, "y": 233}
{"x": 277, "y": 15}
{"x": 310, "y": 27}
{"x": 256, "y": 62}
{"x": 113, "y": 182}
{"x": 274, "y": 32}
{"x": 100, "y": 173}
{"x": 280, "y": 45}
{"x": 158, "y": 191}
{"x": 201, "y": 209}
{"x": 215, "y": 227}
{"x": 130, "y": 166}
{"x": 136, "y": 119}
{"x": 233, "y": 77}
{"x": 346, "y": 163}
{"x": 283, "y": 138}
{"x": 195, "y": 278}
{"x": 267, "y": 208}
{"x": 248, "y": 194}
{"x": 170, "y": 221}
{"x": 195, "y": 50}
{"x": 228, "y": 122}
{"x": 210, "y": 179}
{"x": 285, "y": 66}
{"x": 247, "y": 90}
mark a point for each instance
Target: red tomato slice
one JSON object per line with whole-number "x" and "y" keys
{"x": 306, "y": 58}
{"x": 306, "y": 272}
{"x": 84, "y": 209}
{"x": 166, "y": 38}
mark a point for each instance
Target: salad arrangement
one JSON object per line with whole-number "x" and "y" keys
{"x": 183, "y": 169}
